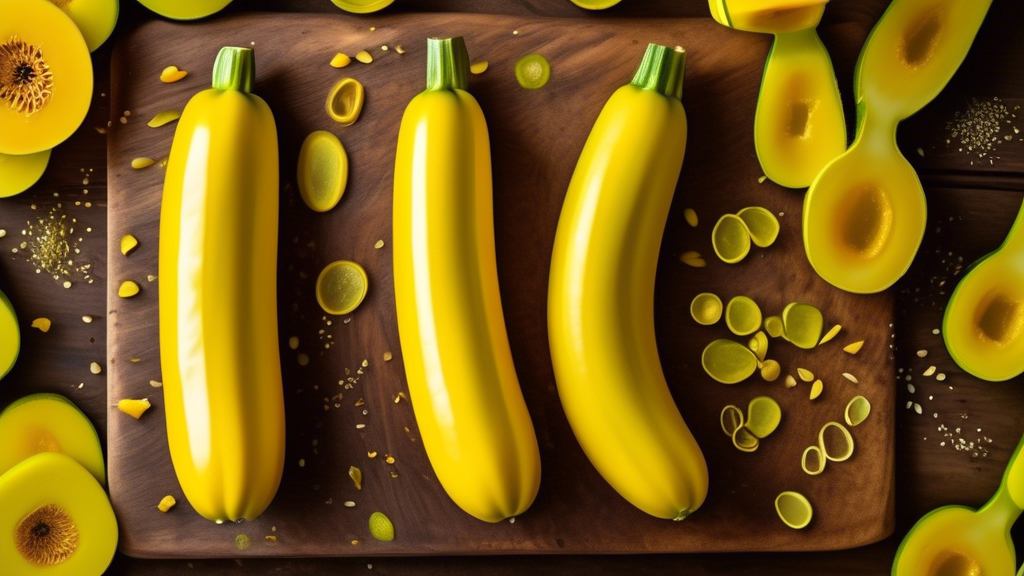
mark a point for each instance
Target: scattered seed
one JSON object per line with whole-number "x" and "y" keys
{"x": 922, "y": 353}
{"x": 941, "y": 377}
{"x": 87, "y": 319}
{"x": 929, "y": 371}
{"x": 390, "y": 459}
{"x": 166, "y": 503}
{"x": 816, "y": 389}
{"x": 850, "y": 377}
{"x": 830, "y": 334}
{"x": 164, "y": 117}
{"x": 399, "y": 49}
{"x": 95, "y": 368}
{"x": 387, "y": 356}
{"x": 293, "y": 342}
{"x": 128, "y": 289}
{"x": 917, "y": 408}
{"x": 853, "y": 348}
{"x": 140, "y": 163}
{"x": 371, "y": 455}
{"x": 762, "y": 179}
{"x": 350, "y": 504}
{"x": 340, "y": 60}
{"x": 693, "y": 259}
{"x": 172, "y": 74}
{"x": 156, "y": 384}
{"x": 357, "y": 477}
{"x": 42, "y": 324}
{"x": 364, "y": 57}
{"x": 241, "y": 541}
{"x": 303, "y": 359}
{"x": 378, "y": 244}
{"x": 691, "y": 217}
{"x": 478, "y": 67}
{"x": 381, "y": 527}
{"x": 805, "y": 375}
{"x": 790, "y": 381}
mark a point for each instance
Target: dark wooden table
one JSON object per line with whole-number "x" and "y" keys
{"x": 972, "y": 202}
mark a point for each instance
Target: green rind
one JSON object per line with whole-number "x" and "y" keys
{"x": 661, "y": 70}
{"x": 447, "y": 64}
{"x": 234, "y": 69}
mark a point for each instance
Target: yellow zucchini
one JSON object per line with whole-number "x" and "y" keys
{"x": 218, "y": 298}
{"x": 601, "y": 295}
{"x": 462, "y": 384}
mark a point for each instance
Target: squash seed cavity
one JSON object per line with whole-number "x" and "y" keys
{"x": 706, "y": 308}
{"x": 742, "y": 316}
{"x": 857, "y": 411}
{"x": 802, "y": 325}
{"x": 345, "y": 101}
{"x": 47, "y": 536}
{"x": 812, "y": 462}
{"x": 381, "y": 527}
{"x": 730, "y": 239}
{"x": 794, "y": 510}
{"x": 26, "y": 82}
{"x": 744, "y": 440}
{"x": 770, "y": 371}
{"x": 762, "y": 225}
{"x": 836, "y": 442}
{"x": 728, "y": 362}
{"x": 731, "y": 419}
{"x": 763, "y": 416}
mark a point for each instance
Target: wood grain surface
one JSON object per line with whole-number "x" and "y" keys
{"x": 929, "y": 472}
{"x": 536, "y": 138}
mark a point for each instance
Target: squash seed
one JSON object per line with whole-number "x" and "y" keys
{"x": 812, "y": 462}
{"x": 759, "y": 345}
{"x": 763, "y": 416}
{"x": 340, "y": 60}
{"x": 128, "y": 243}
{"x": 853, "y": 348}
{"x": 364, "y": 57}
{"x": 762, "y": 225}
{"x": 172, "y": 74}
{"x": 731, "y": 419}
{"x": 381, "y": 527}
{"x": 706, "y": 308}
{"x": 691, "y": 217}
{"x": 730, "y": 239}
{"x": 128, "y": 289}
{"x": 345, "y": 101}
{"x": 357, "y": 477}
{"x": 836, "y": 442}
{"x": 816, "y": 389}
{"x": 728, "y": 362}
{"x": 794, "y": 509}
{"x": 771, "y": 370}
{"x": 744, "y": 441}
{"x": 790, "y": 381}
{"x": 773, "y": 326}
{"x": 140, "y": 163}
{"x": 805, "y": 375}
{"x": 851, "y": 377}
{"x": 802, "y": 324}
{"x": 478, "y": 67}
{"x": 742, "y": 316}
{"x": 341, "y": 287}
{"x": 166, "y": 503}
{"x": 857, "y": 410}
{"x": 830, "y": 334}
{"x": 164, "y": 117}
{"x": 692, "y": 259}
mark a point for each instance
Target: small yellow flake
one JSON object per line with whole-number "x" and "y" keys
{"x": 762, "y": 179}
{"x": 929, "y": 371}
{"x": 364, "y": 57}
{"x": 128, "y": 243}
{"x": 140, "y": 163}
{"x": 853, "y": 348}
{"x": 172, "y": 74}
{"x": 135, "y": 360}
{"x": 384, "y": 47}
{"x": 360, "y": 426}
{"x": 128, "y": 289}
{"x": 156, "y": 384}
{"x": 95, "y": 368}
{"x": 164, "y": 117}
{"x": 390, "y": 459}
{"x": 166, "y": 503}
{"x": 691, "y": 217}
{"x": 922, "y": 353}
{"x": 816, "y": 389}
{"x": 387, "y": 356}
{"x": 372, "y": 28}
{"x": 804, "y": 374}
{"x": 43, "y": 324}
{"x": 378, "y": 244}
{"x": 340, "y": 60}
{"x": 134, "y": 408}
{"x": 365, "y": 363}
{"x": 270, "y": 538}
{"x": 293, "y": 342}
{"x": 87, "y": 319}
{"x": 150, "y": 277}
{"x": 478, "y": 67}
{"x": 355, "y": 542}
{"x": 357, "y": 477}
{"x": 830, "y": 334}
{"x": 851, "y": 377}
{"x": 399, "y": 49}
{"x": 371, "y": 455}
{"x": 790, "y": 381}
{"x": 693, "y": 259}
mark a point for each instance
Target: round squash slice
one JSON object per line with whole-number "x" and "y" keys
{"x": 362, "y": 6}
{"x": 49, "y": 423}
{"x": 19, "y": 173}
{"x": 95, "y": 18}
{"x": 45, "y": 76}
{"x": 56, "y": 520}
{"x": 185, "y": 9}
{"x": 10, "y": 336}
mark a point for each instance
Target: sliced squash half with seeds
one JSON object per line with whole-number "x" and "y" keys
{"x": 45, "y": 76}
{"x": 56, "y": 520}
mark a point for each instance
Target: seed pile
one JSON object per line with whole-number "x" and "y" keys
{"x": 978, "y": 130}
{"x": 52, "y": 248}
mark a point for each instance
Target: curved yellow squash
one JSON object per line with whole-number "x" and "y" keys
{"x": 601, "y": 296}
{"x": 218, "y": 301}
{"x": 462, "y": 384}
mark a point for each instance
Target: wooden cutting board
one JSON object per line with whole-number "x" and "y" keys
{"x": 536, "y": 137}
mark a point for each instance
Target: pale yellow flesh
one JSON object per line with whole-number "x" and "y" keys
{"x": 218, "y": 306}
{"x": 462, "y": 383}
{"x": 601, "y": 306}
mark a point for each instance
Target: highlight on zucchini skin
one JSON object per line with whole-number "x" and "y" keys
{"x": 463, "y": 386}
{"x": 222, "y": 386}
{"x": 601, "y": 295}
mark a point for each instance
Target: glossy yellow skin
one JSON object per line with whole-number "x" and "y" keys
{"x": 462, "y": 383}
{"x": 865, "y": 213}
{"x": 19, "y": 173}
{"x": 984, "y": 322}
{"x": 772, "y": 17}
{"x": 95, "y": 18}
{"x": 218, "y": 308}
{"x": 601, "y": 306}
{"x": 185, "y": 9}
{"x": 49, "y": 423}
{"x": 10, "y": 336}
{"x": 55, "y": 479}
{"x": 41, "y": 24}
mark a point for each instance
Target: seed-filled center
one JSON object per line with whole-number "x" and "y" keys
{"x": 919, "y": 42}
{"x": 1000, "y": 319}
{"x": 47, "y": 536}
{"x": 866, "y": 221}
{"x": 26, "y": 82}
{"x": 955, "y": 564}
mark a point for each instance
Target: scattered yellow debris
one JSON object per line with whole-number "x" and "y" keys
{"x": 832, "y": 333}
{"x": 128, "y": 243}
{"x": 134, "y": 408}
{"x": 164, "y": 117}
{"x": 399, "y": 49}
{"x": 378, "y": 244}
{"x": 128, "y": 289}
{"x": 691, "y": 217}
{"x": 172, "y": 74}
{"x": 790, "y": 381}
{"x": 140, "y": 163}
{"x": 95, "y": 368}
{"x": 850, "y": 377}
{"x": 43, "y": 324}
{"x": 853, "y": 348}
{"x": 693, "y": 259}
{"x": 166, "y": 503}
{"x": 478, "y": 67}
{"x": 804, "y": 374}
{"x": 340, "y": 60}
{"x": 387, "y": 356}
{"x": 87, "y": 319}
{"x": 816, "y": 389}
{"x": 364, "y": 57}
{"x": 357, "y": 477}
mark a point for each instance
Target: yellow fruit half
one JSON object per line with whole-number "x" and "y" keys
{"x": 10, "y": 336}
{"x": 56, "y": 520}
{"x": 45, "y": 76}
{"x": 19, "y": 173}
{"x": 362, "y": 6}
{"x": 185, "y": 9}
{"x": 49, "y": 423}
{"x": 95, "y": 18}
